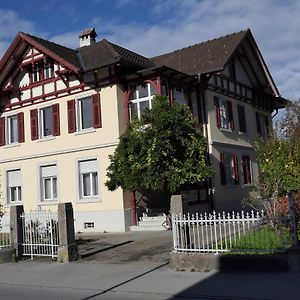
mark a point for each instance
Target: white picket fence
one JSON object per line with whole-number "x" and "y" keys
{"x": 40, "y": 233}
{"x": 4, "y": 234}
{"x": 241, "y": 232}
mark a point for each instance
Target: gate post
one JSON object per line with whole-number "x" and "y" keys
{"x": 67, "y": 249}
{"x": 16, "y": 230}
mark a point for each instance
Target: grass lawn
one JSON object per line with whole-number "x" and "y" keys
{"x": 262, "y": 240}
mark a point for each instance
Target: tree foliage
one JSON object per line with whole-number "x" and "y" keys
{"x": 161, "y": 152}
{"x": 279, "y": 157}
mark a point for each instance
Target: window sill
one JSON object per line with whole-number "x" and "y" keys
{"x": 85, "y": 131}
{"x": 89, "y": 200}
{"x": 50, "y": 202}
{"x": 226, "y": 129}
{"x": 46, "y": 139}
{"x": 8, "y": 205}
{"x": 243, "y": 133}
{"x": 12, "y": 145}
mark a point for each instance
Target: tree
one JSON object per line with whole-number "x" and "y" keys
{"x": 279, "y": 163}
{"x": 161, "y": 152}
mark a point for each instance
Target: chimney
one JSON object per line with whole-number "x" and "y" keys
{"x": 87, "y": 37}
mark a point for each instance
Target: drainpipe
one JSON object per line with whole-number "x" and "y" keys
{"x": 202, "y": 97}
{"x": 275, "y": 113}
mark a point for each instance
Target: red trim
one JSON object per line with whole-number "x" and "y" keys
{"x": 21, "y": 133}
{"x": 2, "y": 131}
{"x": 55, "y": 119}
{"x": 48, "y": 52}
{"x": 34, "y": 124}
{"x": 236, "y": 169}
{"x": 71, "y": 116}
{"x": 97, "y": 122}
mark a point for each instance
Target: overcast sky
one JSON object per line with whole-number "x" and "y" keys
{"x": 152, "y": 27}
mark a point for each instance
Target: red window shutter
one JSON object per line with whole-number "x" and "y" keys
{"x": 21, "y": 134}
{"x": 34, "y": 124}
{"x": 2, "y": 131}
{"x": 71, "y": 116}
{"x": 97, "y": 122}
{"x": 230, "y": 115}
{"x": 217, "y": 109}
{"x": 235, "y": 169}
{"x": 55, "y": 119}
{"x": 222, "y": 168}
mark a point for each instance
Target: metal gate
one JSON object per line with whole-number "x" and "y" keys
{"x": 40, "y": 233}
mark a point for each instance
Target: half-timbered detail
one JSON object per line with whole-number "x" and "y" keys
{"x": 63, "y": 110}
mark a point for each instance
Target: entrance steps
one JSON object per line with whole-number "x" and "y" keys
{"x": 150, "y": 223}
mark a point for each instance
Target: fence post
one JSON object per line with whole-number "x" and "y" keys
{"x": 293, "y": 217}
{"x": 16, "y": 230}
{"x": 67, "y": 249}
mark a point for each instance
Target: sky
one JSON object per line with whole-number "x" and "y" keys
{"x": 153, "y": 27}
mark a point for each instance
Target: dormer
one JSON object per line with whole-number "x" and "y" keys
{"x": 87, "y": 37}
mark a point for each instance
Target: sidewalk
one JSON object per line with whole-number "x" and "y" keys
{"x": 94, "y": 280}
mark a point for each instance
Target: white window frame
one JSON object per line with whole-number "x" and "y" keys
{"x": 92, "y": 188}
{"x": 79, "y": 114}
{"x": 36, "y": 70}
{"x": 9, "y": 130}
{"x": 224, "y": 118}
{"x": 43, "y": 178}
{"x": 139, "y": 100}
{"x": 49, "y": 70}
{"x": 41, "y": 122}
{"x": 18, "y": 188}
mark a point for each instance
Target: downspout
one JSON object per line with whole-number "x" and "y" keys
{"x": 202, "y": 97}
{"x": 275, "y": 114}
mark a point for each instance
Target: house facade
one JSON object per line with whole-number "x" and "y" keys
{"x": 63, "y": 110}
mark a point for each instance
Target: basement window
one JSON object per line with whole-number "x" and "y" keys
{"x": 87, "y": 225}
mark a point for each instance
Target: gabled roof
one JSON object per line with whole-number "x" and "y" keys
{"x": 213, "y": 55}
{"x": 205, "y": 57}
{"x": 104, "y": 53}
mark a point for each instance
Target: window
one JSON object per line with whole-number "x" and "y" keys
{"x": 85, "y": 110}
{"x": 262, "y": 124}
{"x": 14, "y": 193}
{"x": 46, "y": 121}
{"x": 37, "y": 72}
{"x": 229, "y": 169}
{"x": 42, "y": 70}
{"x": 180, "y": 96}
{"x": 224, "y": 114}
{"x": 12, "y": 129}
{"x": 88, "y": 178}
{"x": 84, "y": 113}
{"x": 49, "y": 69}
{"x": 232, "y": 72}
{"x": 48, "y": 177}
{"x": 246, "y": 169}
{"x": 141, "y": 99}
{"x": 242, "y": 118}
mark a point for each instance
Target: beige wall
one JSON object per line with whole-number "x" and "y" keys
{"x": 65, "y": 150}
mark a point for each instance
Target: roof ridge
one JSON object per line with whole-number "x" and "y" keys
{"x": 110, "y": 46}
{"x": 203, "y": 42}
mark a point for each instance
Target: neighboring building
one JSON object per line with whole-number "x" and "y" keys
{"x": 62, "y": 111}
